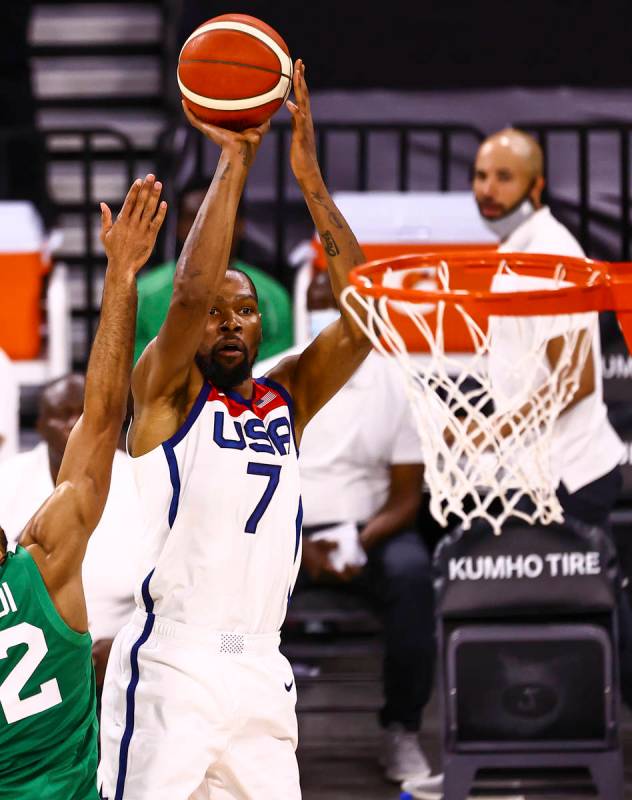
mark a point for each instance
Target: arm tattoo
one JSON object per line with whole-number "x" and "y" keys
{"x": 333, "y": 217}
{"x": 329, "y": 244}
{"x": 222, "y": 177}
{"x": 246, "y": 156}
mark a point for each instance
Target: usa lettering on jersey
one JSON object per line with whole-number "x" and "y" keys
{"x": 229, "y": 433}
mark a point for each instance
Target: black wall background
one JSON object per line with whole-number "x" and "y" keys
{"x": 447, "y": 43}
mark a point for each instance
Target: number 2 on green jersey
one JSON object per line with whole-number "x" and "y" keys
{"x": 48, "y": 696}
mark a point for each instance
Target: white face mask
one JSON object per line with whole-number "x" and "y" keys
{"x": 504, "y": 226}
{"x": 318, "y": 320}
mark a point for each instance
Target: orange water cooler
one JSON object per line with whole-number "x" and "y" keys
{"x": 23, "y": 265}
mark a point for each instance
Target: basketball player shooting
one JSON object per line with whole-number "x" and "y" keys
{"x": 198, "y": 701}
{"x": 48, "y": 725}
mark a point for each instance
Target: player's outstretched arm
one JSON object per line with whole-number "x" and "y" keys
{"x": 332, "y": 358}
{"x": 164, "y": 368}
{"x": 57, "y": 535}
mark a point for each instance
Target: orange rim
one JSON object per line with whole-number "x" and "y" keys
{"x": 610, "y": 289}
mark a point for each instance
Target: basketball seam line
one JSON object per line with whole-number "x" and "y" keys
{"x": 207, "y": 102}
{"x": 240, "y": 28}
{"x": 235, "y": 64}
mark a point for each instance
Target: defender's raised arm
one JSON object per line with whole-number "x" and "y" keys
{"x": 60, "y": 529}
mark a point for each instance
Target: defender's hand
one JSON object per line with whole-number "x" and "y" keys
{"x": 303, "y": 156}
{"x": 129, "y": 241}
{"x": 244, "y": 143}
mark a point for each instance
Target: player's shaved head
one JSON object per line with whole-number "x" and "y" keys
{"x": 519, "y": 144}
{"x": 61, "y": 405}
{"x": 253, "y": 288}
{"x": 68, "y": 388}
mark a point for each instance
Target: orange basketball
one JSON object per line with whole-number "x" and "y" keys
{"x": 235, "y": 71}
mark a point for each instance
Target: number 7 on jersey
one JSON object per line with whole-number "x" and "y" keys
{"x": 272, "y": 472}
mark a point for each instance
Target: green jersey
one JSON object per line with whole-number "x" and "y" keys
{"x": 48, "y": 723}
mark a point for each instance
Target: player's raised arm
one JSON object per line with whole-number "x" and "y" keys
{"x": 60, "y": 529}
{"x": 164, "y": 368}
{"x": 332, "y": 358}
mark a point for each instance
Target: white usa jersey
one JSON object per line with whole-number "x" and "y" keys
{"x": 223, "y": 513}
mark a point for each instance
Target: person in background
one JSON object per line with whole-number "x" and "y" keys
{"x": 9, "y": 408}
{"x": 508, "y": 181}
{"x": 27, "y": 479}
{"x": 361, "y": 486}
{"x": 155, "y": 286}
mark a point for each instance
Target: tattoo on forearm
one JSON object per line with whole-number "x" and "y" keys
{"x": 224, "y": 174}
{"x": 333, "y": 217}
{"x": 246, "y": 155}
{"x": 329, "y": 244}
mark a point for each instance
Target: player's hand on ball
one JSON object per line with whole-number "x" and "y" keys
{"x": 303, "y": 156}
{"x": 130, "y": 239}
{"x": 243, "y": 143}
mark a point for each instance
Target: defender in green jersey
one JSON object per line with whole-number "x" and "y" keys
{"x": 48, "y": 725}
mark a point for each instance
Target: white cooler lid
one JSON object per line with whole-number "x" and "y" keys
{"x": 408, "y": 217}
{"x": 21, "y": 228}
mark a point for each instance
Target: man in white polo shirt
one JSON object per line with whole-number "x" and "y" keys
{"x": 508, "y": 181}
{"x": 361, "y": 485}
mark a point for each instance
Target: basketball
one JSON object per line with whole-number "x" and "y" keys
{"x": 234, "y": 71}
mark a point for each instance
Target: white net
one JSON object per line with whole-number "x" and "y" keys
{"x": 486, "y": 419}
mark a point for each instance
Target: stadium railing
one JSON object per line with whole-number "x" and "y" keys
{"x": 444, "y": 145}
{"x": 588, "y": 165}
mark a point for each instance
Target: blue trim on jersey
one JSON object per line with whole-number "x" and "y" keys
{"x": 299, "y": 526}
{"x": 178, "y": 436}
{"x": 288, "y": 399}
{"x": 194, "y": 413}
{"x": 147, "y": 598}
{"x": 131, "y": 690}
{"x": 174, "y": 476}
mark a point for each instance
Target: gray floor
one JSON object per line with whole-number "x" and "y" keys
{"x": 339, "y": 736}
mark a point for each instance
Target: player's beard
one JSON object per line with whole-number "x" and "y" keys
{"x": 225, "y": 377}
{"x": 504, "y": 225}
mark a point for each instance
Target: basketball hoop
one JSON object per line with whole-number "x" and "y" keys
{"x": 486, "y": 418}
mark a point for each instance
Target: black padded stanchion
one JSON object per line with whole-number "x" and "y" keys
{"x": 529, "y": 653}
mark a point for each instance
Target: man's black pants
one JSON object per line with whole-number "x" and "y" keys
{"x": 397, "y": 582}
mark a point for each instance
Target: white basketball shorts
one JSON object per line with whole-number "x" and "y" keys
{"x": 192, "y": 714}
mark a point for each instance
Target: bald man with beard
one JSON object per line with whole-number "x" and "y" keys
{"x": 508, "y": 183}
